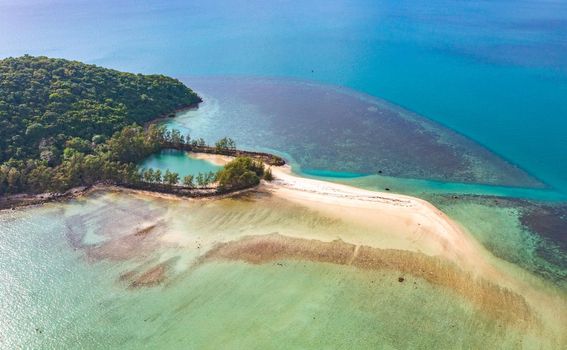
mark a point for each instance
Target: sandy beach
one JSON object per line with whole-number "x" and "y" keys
{"x": 406, "y": 223}
{"x": 294, "y": 219}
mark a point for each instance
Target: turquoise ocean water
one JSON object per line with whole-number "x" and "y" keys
{"x": 494, "y": 72}
{"x": 343, "y": 136}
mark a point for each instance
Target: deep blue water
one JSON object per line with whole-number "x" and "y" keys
{"x": 495, "y": 71}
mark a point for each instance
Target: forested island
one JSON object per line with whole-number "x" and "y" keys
{"x": 65, "y": 124}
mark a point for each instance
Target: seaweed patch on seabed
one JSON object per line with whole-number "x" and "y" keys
{"x": 150, "y": 277}
{"x": 133, "y": 246}
{"x": 126, "y": 247}
{"x": 550, "y": 221}
{"x": 332, "y": 128}
{"x": 500, "y": 303}
{"x": 544, "y": 222}
{"x": 547, "y": 219}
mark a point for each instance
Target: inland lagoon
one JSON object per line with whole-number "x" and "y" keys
{"x": 180, "y": 162}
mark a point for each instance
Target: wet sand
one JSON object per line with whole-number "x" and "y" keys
{"x": 409, "y": 226}
{"x": 367, "y": 230}
{"x": 405, "y": 222}
{"x": 502, "y": 304}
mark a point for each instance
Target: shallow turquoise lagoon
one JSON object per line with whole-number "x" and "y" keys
{"x": 179, "y": 162}
{"x": 66, "y": 272}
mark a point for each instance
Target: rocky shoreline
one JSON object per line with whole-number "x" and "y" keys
{"x": 12, "y": 202}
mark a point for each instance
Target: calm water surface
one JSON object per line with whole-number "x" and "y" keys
{"x": 493, "y": 71}
{"x": 334, "y": 134}
{"x": 179, "y": 162}
{"x": 66, "y": 274}
{"x": 326, "y": 133}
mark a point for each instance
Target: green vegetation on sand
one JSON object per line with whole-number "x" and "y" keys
{"x": 240, "y": 173}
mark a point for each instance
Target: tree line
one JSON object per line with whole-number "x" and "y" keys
{"x": 45, "y": 103}
{"x": 65, "y": 124}
{"x": 116, "y": 161}
{"x": 239, "y": 173}
{"x": 172, "y": 178}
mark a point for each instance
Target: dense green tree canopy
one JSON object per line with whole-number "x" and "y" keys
{"x": 45, "y": 102}
{"x": 240, "y": 172}
{"x": 65, "y": 123}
